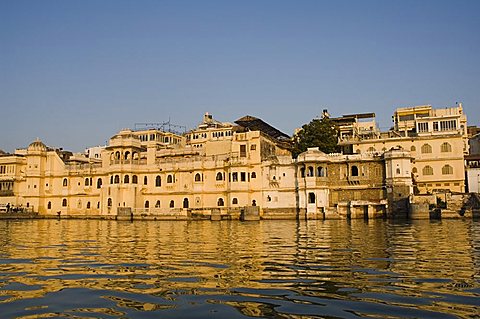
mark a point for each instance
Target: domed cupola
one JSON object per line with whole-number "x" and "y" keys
{"x": 37, "y": 146}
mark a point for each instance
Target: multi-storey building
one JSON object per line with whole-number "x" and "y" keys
{"x": 219, "y": 166}
{"x": 368, "y": 184}
{"x": 436, "y": 138}
{"x": 224, "y": 167}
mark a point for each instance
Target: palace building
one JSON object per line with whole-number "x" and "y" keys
{"x": 223, "y": 168}
{"x": 436, "y": 138}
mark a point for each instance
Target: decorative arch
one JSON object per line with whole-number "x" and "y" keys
{"x": 426, "y": 148}
{"x": 354, "y": 170}
{"x": 445, "y": 147}
{"x": 310, "y": 171}
{"x": 427, "y": 170}
{"x": 447, "y": 170}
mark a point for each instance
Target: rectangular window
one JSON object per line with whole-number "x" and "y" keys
{"x": 234, "y": 177}
{"x": 435, "y": 126}
{"x": 423, "y": 127}
{"x": 253, "y": 147}
{"x": 243, "y": 177}
{"x": 243, "y": 150}
{"x": 448, "y": 125}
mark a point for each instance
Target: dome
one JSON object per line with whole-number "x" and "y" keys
{"x": 37, "y": 145}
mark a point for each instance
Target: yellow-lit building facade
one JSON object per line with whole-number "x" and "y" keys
{"x": 436, "y": 139}
{"x": 225, "y": 167}
{"x": 221, "y": 166}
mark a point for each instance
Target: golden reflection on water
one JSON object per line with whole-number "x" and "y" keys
{"x": 331, "y": 268}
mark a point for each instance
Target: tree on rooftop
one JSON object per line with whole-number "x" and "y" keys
{"x": 321, "y": 133}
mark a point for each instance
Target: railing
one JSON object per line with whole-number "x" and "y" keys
{"x": 4, "y": 193}
{"x": 141, "y": 161}
{"x": 92, "y": 167}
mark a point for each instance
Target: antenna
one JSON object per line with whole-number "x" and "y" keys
{"x": 162, "y": 126}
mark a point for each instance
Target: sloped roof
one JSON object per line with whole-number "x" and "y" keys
{"x": 255, "y": 124}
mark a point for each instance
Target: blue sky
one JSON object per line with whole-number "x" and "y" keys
{"x": 73, "y": 73}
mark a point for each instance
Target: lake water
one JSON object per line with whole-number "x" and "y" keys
{"x": 230, "y": 269}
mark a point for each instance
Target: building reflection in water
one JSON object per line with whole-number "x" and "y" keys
{"x": 258, "y": 268}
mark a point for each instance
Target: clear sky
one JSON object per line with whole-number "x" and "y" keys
{"x": 73, "y": 73}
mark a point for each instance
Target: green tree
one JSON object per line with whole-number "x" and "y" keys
{"x": 321, "y": 133}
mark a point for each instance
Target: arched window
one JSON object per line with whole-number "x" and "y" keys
{"x": 398, "y": 171}
{"x": 412, "y": 148}
{"x": 109, "y": 202}
{"x": 320, "y": 171}
{"x": 117, "y": 179}
{"x": 219, "y": 176}
{"x": 427, "y": 170}
{"x": 354, "y": 170}
{"x": 135, "y": 156}
{"x": 126, "y": 179}
{"x": 65, "y": 182}
{"x": 117, "y": 155}
{"x": 172, "y": 204}
{"x": 446, "y": 147}
{"x": 235, "y": 201}
{"x": 99, "y": 183}
{"x": 414, "y": 170}
{"x": 158, "y": 181}
{"x": 49, "y": 205}
{"x": 169, "y": 179}
{"x": 88, "y": 205}
{"x": 157, "y": 204}
{"x": 269, "y": 199}
{"x": 64, "y": 202}
{"x": 198, "y": 177}
{"x": 371, "y": 149}
{"x": 134, "y": 179}
{"x": 426, "y": 148}
{"x": 111, "y": 179}
{"x": 185, "y": 203}
{"x": 87, "y": 182}
{"x": 310, "y": 171}
{"x": 145, "y": 180}
{"x": 311, "y": 198}
{"x": 147, "y": 204}
{"x": 253, "y": 175}
{"x": 447, "y": 170}
{"x": 126, "y": 155}
{"x": 220, "y": 202}
{"x": 302, "y": 171}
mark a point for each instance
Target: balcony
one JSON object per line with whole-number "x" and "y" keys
{"x": 6, "y": 193}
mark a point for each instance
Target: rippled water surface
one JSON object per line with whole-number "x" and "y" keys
{"x": 279, "y": 269}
